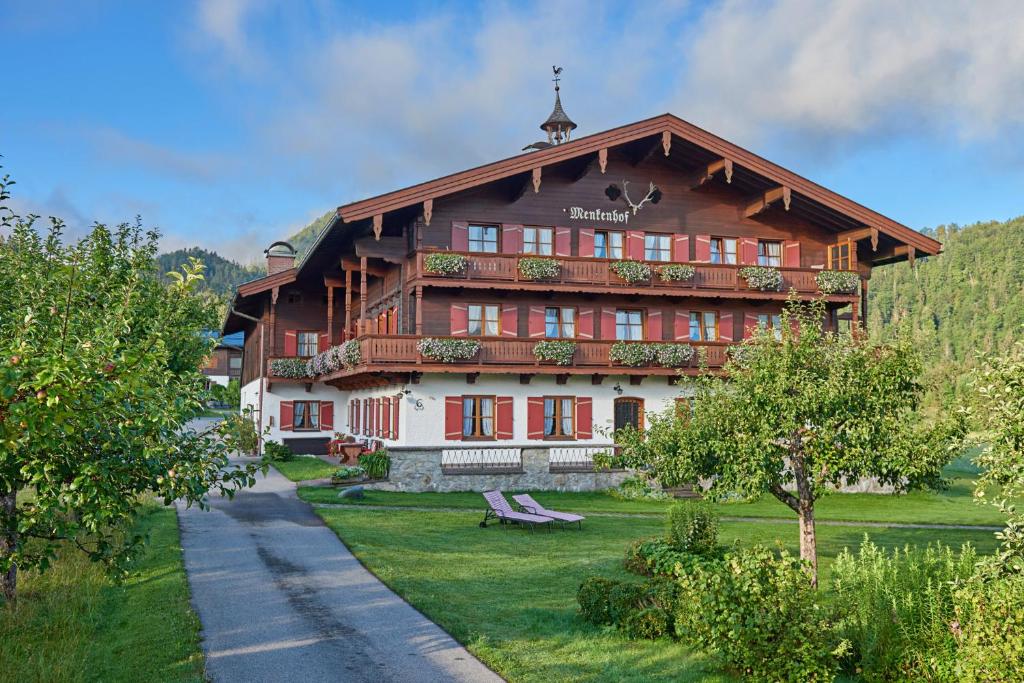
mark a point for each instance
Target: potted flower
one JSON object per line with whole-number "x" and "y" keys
{"x": 533, "y": 268}
{"x": 837, "y": 281}
{"x": 557, "y": 351}
{"x": 632, "y": 271}
{"x": 448, "y": 349}
{"x": 445, "y": 263}
{"x": 762, "y": 278}
{"x": 675, "y": 272}
{"x": 632, "y": 354}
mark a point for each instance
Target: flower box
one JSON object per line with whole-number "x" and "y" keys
{"x": 837, "y": 281}
{"x": 762, "y": 278}
{"x": 559, "y": 352}
{"x": 675, "y": 272}
{"x": 632, "y": 272}
{"x": 539, "y": 268}
{"x": 448, "y": 350}
{"x": 444, "y": 263}
{"x": 633, "y": 354}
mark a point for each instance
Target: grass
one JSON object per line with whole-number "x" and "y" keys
{"x": 509, "y": 595}
{"x": 74, "y": 623}
{"x": 304, "y": 468}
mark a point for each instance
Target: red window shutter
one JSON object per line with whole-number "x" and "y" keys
{"x": 681, "y": 248}
{"x": 682, "y": 326}
{"x": 459, "y": 320}
{"x": 563, "y": 242}
{"x": 725, "y": 327}
{"x": 453, "y": 418}
{"x": 585, "y": 326}
{"x": 366, "y": 417}
{"x": 323, "y": 342}
{"x": 287, "y": 416}
{"x": 327, "y": 416}
{"x": 511, "y": 238}
{"x": 749, "y": 324}
{"x": 791, "y": 254}
{"x": 654, "y": 326}
{"x": 460, "y": 236}
{"x": 702, "y": 251}
{"x": 748, "y": 251}
{"x": 584, "y": 417}
{"x": 291, "y": 343}
{"x": 351, "y": 414}
{"x": 535, "y": 418}
{"x": 535, "y": 323}
{"x": 635, "y": 245}
{"x": 608, "y": 323}
{"x": 503, "y": 407}
{"x": 393, "y": 320}
{"x": 386, "y": 422}
{"x": 509, "y": 321}
{"x": 587, "y": 243}
{"x": 394, "y": 416}
{"x": 380, "y": 417}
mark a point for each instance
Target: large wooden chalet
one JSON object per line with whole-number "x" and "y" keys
{"x": 659, "y": 191}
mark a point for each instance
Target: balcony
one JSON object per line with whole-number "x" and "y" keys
{"x": 398, "y": 353}
{"x": 596, "y": 275}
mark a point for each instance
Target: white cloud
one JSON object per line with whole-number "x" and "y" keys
{"x": 222, "y": 26}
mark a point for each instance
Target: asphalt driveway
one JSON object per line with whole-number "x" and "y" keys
{"x": 280, "y": 598}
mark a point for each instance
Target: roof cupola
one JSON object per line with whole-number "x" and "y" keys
{"x": 559, "y": 126}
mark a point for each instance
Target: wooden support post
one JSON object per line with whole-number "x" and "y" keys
{"x": 348, "y": 304}
{"x": 330, "y": 315}
{"x": 362, "y": 296}
{"x": 419, "y": 310}
{"x": 864, "y": 299}
{"x": 273, "y": 320}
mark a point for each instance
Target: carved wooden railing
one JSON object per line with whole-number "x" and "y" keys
{"x": 598, "y": 272}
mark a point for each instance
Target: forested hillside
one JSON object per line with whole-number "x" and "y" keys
{"x": 969, "y": 300}
{"x": 303, "y": 239}
{"x": 222, "y": 275}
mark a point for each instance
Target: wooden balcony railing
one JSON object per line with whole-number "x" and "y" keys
{"x": 598, "y": 272}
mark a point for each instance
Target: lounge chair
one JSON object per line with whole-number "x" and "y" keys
{"x": 502, "y": 511}
{"x": 526, "y": 501}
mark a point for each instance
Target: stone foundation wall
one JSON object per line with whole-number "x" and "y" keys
{"x": 417, "y": 470}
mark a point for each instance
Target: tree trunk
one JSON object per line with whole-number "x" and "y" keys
{"x": 808, "y": 544}
{"x": 8, "y": 540}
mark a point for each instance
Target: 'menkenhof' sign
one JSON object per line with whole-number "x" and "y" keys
{"x": 578, "y": 213}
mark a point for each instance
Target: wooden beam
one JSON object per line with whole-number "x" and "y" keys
{"x": 471, "y": 377}
{"x": 362, "y": 297}
{"x": 419, "y": 309}
{"x": 348, "y": 304}
{"x": 596, "y": 379}
{"x": 635, "y": 380}
{"x": 352, "y": 265}
{"x": 562, "y": 379}
{"x": 602, "y": 159}
{"x": 535, "y": 177}
{"x": 708, "y": 172}
{"x": 666, "y": 141}
{"x": 428, "y": 211}
{"x": 378, "y": 224}
{"x": 525, "y": 377}
{"x": 859, "y": 234}
{"x": 391, "y": 249}
{"x": 766, "y": 199}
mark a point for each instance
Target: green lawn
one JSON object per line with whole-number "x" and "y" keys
{"x": 74, "y": 623}
{"x": 509, "y": 594}
{"x": 303, "y": 468}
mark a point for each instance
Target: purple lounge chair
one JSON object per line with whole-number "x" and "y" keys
{"x": 526, "y": 501}
{"x": 503, "y": 512}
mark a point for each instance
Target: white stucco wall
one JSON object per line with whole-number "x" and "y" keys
{"x": 294, "y": 392}
{"x": 218, "y": 379}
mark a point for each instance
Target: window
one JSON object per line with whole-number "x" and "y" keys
{"x": 657, "y": 247}
{"x": 703, "y": 326}
{"x": 684, "y": 407}
{"x": 483, "y": 238}
{"x": 538, "y": 241}
{"x": 306, "y": 415}
{"x": 307, "y": 344}
{"x": 770, "y": 321}
{"x": 628, "y": 412}
{"x": 558, "y": 417}
{"x": 235, "y": 363}
{"x": 560, "y": 322}
{"x": 608, "y": 244}
{"x": 629, "y": 325}
{"x": 839, "y": 256}
{"x": 723, "y": 250}
{"x": 769, "y": 253}
{"x": 478, "y": 417}
{"x": 484, "y": 320}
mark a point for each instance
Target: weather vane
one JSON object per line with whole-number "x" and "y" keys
{"x": 558, "y": 75}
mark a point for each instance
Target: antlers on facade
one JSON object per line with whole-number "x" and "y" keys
{"x": 652, "y": 193}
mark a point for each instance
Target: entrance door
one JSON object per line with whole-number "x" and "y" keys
{"x": 629, "y": 412}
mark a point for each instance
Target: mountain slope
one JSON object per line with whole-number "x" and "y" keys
{"x": 222, "y": 275}
{"x": 968, "y": 300}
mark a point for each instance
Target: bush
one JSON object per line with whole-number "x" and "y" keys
{"x": 241, "y": 429}
{"x": 539, "y": 268}
{"x": 444, "y": 263}
{"x": 758, "y": 613}
{"x": 277, "y": 452}
{"x": 762, "y": 278}
{"x": 656, "y": 557}
{"x": 989, "y": 629}
{"x": 377, "y": 464}
{"x": 348, "y": 472}
{"x": 648, "y": 623}
{"x": 637, "y": 488}
{"x": 624, "y": 599}
{"x": 693, "y": 527}
{"x": 592, "y": 597}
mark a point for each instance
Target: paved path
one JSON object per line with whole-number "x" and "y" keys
{"x": 280, "y": 598}
{"x": 760, "y": 520}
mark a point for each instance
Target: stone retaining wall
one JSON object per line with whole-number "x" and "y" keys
{"x": 417, "y": 470}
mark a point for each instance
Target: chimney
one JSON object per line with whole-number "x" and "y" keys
{"x": 280, "y": 257}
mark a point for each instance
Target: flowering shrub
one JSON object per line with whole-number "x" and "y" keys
{"x": 762, "y": 277}
{"x": 333, "y": 359}
{"x": 632, "y": 271}
{"x": 351, "y": 353}
{"x": 560, "y": 352}
{"x": 539, "y": 268}
{"x": 289, "y": 368}
{"x": 348, "y": 472}
{"x": 673, "y": 355}
{"x": 444, "y": 263}
{"x": 676, "y": 272}
{"x": 633, "y": 354}
{"x": 837, "y": 281}
{"x": 448, "y": 350}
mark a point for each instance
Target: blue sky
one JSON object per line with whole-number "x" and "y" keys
{"x": 228, "y": 124}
